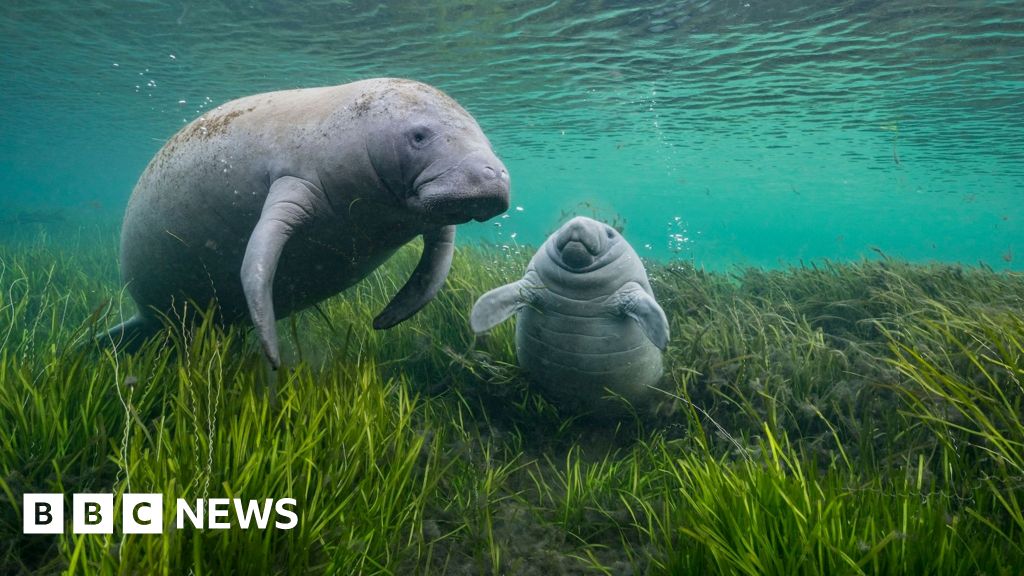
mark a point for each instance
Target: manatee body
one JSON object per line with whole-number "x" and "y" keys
{"x": 274, "y": 202}
{"x": 587, "y": 325}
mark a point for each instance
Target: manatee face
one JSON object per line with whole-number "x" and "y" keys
{"x": 584, "y": 245}
{"x": 434, "y": 158}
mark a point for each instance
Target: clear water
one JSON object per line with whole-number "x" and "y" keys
{"x": 727, "y": 132}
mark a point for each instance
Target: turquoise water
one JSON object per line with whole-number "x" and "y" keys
{"x": 741, "y": 132}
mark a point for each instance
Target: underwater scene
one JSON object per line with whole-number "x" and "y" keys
{"x": 511, "y": 287}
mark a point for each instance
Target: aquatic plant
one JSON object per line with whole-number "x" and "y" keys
{"x": 831, "y": 418}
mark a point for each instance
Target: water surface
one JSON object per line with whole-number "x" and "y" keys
{"x": 724, "y": 132}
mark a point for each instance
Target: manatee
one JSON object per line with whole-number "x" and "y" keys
{"x": 273, "y": 202}
{"x": 587, "y": 324}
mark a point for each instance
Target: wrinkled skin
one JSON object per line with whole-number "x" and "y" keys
{"x": 587, "y": 324}
{"x": 274, "y": 202}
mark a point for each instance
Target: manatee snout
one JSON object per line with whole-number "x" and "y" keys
{"x": 579, "y": 243}
{"x": 477, "y": 188}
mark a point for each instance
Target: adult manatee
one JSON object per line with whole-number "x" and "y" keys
{"x": 274, "y": 202}
{"x": 587, "y": 321}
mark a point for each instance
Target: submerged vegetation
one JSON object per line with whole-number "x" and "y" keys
{"x": 840, "y": 418}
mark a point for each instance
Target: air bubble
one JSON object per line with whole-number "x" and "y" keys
{"x": 678, "y": 235}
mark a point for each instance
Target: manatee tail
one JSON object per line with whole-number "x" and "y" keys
{"x": 130, "y": 334}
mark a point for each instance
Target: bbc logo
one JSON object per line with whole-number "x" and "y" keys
{"x": 144, "y": 513}
{"x": 92, "y": 513}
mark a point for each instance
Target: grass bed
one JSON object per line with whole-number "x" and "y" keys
{"x": 839, "y": 419}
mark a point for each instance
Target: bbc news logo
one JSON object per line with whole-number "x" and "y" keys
{"x": 144, "y": 513}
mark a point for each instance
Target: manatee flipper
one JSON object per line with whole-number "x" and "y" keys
{"x": 495, "y": 306}
{"x": 290, "y": 204}
{"x": 130, "y": 334}
{"x": 633, "y": 301}
{"x": 426, "y": 280}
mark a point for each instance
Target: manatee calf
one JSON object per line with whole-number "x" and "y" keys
{"x": 587, "y": 323}
{"x": 274, "y": 202}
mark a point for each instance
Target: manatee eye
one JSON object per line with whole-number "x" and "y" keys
{"x": 420, "y": 136}
{"x": 609, "y": 232}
